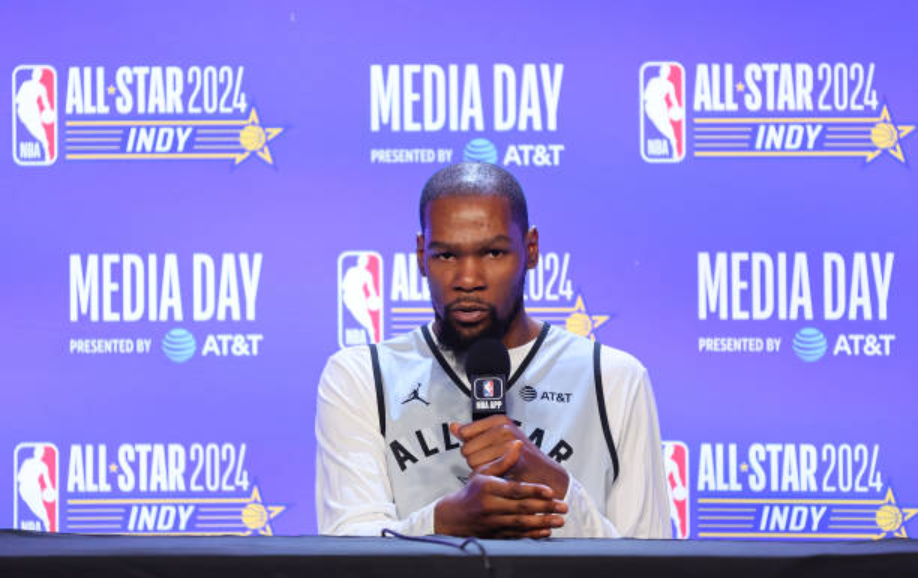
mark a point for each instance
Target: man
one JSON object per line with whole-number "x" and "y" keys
{"x": 395, "y": 446}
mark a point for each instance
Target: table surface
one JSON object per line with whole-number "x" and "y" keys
{"x": 37, "y": 554}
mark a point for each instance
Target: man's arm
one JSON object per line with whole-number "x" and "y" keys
{"x": 637, "y": 503}
{"x": 353, "y": 494}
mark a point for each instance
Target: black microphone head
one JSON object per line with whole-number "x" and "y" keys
{"x": 487, "y": 356}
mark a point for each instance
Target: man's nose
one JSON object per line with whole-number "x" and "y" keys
{"x": 469, "y": 276}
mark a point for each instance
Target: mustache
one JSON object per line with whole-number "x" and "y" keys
{"x": 466, "y": 304}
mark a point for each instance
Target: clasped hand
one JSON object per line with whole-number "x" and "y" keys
{"x": 514, "y": 490}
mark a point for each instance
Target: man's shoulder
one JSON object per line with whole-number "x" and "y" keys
{"x": 350, "y": 357}
{"x": 612, "y": 358}
{"x": 617, "y": 360}
{"x": 358, "y": 357}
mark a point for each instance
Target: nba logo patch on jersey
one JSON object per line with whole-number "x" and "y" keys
{"x": 488, "y": 388}
{"x": 662, "y": 112}
{"x": 676, "y": 463}
{"x": 360, "y": 298}
{"x": 34, "y": 123}
{"x": 35, "y": 487}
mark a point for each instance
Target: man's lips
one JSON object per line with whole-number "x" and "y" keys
{"x": 468, "y": 314}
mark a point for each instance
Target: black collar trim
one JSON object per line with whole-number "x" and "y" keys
{"x": 530, "y": 356}
{"x": 455, "y": 378}
{"x": 443, "y": 363}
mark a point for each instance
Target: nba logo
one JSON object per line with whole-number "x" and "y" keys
{"x": 360, "y": 302}
{"x": 35, "y": 104}
{"x": 676, "y": 464}
{"x": 489, "y": 388}
{"x": 35, "y": 488}
{"x": 662, "y": 112}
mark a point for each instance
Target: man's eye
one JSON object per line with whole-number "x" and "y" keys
{"x": 495, "y": 253}
{"x": 445, "y": 256}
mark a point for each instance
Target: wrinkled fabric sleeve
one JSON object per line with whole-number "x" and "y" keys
{"x": 636, "y": 504}
{"x": 353, "y": 493}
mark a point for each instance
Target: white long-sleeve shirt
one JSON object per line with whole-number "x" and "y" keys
{"x": 353, "y": 491}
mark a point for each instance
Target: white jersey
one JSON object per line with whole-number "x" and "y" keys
{"x": 555, "y": 396}
{"x": 571, "y": 397}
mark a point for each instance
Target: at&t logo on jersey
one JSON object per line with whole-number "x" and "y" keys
{"x": 35, "y": 491}
{"x": 676, "y": 463}
{"x": 360, "y": 298}
{"x": 662, "y": 112}
{"x": 34, "y": 115}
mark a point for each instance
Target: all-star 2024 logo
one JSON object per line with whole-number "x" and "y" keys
{"x": 370, "y": 310}
{"x": 138, "y": 113}
{"x": 766, "y": 110}
{"x": 147, "y": 488}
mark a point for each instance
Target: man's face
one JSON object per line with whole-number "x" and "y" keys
{"x": 475, "y": 259}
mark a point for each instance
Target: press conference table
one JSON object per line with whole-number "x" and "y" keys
{"x": 33, "y": 555}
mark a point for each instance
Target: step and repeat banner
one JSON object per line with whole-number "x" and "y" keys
{"x": 203, "y": 200}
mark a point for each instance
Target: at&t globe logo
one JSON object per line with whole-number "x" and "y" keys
{"x": 480, "y": 150}
{"x": 810, "y": 344}
{"x": 179, "y": 345}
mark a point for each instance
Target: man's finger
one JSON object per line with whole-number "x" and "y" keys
{"x": 502, "y": 465}
{"x": 516, "y": 534}
{"x": 470, "y": 430}
{"x": 499, "y": 434}
{"x": 535, "y": 506}
{"x": 488, "y": 454}
{"x": 520, "y": 490}
{"x": 526, "y": 522}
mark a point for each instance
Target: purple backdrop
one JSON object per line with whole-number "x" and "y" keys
{"x": 676, "y": 157}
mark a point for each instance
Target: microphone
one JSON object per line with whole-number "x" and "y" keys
{"x": 487, "y": 366}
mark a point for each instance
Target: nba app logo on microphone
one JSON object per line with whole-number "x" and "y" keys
{"x": 360, "y": 298}
{"x": 35, "y": 487}
{"x": 676, "y": 463}
{"x": 35, "y": 116}
{"x": 662, "y": 112}
{"x": 488, "y": 388}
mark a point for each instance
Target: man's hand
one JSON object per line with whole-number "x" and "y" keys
{"x": 487, "y": 442}
{"x": 492, "y": 507}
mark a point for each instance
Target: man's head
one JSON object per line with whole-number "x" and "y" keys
{"x": 474, "y": 248}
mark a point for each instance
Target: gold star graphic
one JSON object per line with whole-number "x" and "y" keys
{"x": 581, "y": 322}
{"x": 111, "y": 89}
{"x": 254, "y": 138}
{"x": 740, "y": 87}
{"x": 744, "y": 467}
{"x": 891, "y": 518}
{"x": 257, "y": 516}
{"x": 887, "y": 136}
{"x": 113, "y": 468}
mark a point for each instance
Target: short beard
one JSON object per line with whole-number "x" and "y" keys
{"x": 451, "y": 340}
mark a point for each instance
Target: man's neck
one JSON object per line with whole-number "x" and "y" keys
{"x": 522, "y": 330}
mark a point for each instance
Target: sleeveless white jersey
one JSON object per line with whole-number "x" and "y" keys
{"x": 555, "y": 396}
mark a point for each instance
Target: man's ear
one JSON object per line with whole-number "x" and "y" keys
{"x": 422, "y": 266}
{"x": 532, "y": 247}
